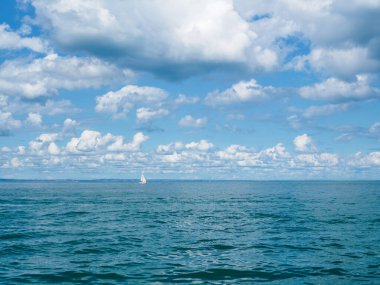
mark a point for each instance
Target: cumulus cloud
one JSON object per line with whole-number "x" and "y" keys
{"x": 49, "y": 107}
{"x": 93, "y": 141}
{"x": 145, "y": 115}
{"x": 119, "y": 103}
{"x": 202, "y": 145}
{"x": 69, "y": 125}
{"x": 366, "y": 160}
{"x": 88, "y": 141}
{"x": 317, "y": 159}
{"x": 304, "y": 143}
{"x": 182, "y": 99}
{"x": 374, "y": 129}
{"x": 7, "y": 123}
{"x": 44, "y": 143}
{"x": 244, "y": 156}
{"x": 189, "y": 121}
{"x": 183, "y": 38}
{"x": 324, "y": 110}
{"x": 241, "y": 92}
{"x": 344, "y": 63}
{"x": 94, "y": 150}
{"x": 12, "y": 40}
{"x": 337, "y": 90}
{"x": 135, "y": 145}
{"x": 342, "y": 52}
{"x": 34, "y": 119}
{"x": 44, "y": 76}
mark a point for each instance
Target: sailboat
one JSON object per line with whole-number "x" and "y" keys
{"x": 142, "y": 179}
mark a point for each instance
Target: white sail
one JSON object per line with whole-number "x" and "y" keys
{"x": 142, "y": 179}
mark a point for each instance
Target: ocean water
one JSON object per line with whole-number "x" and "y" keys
{"x": 197, "y": 232}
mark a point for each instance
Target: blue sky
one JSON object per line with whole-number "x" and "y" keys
{"x": 190, "y": 89}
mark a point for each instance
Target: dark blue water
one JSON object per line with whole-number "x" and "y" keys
{"x": 190, "y": 232}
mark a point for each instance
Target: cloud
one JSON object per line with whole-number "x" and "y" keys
{"x": 169, "y": 148}
{"x": 145, "y": 115}
{"x": 119, "y": 144}
{"x": 244, "y": 156}
{"x": 7, "y": 123}
{"x": 344, "y": 63}
{"x": 94, "y": 142}
{"x": 304, "y": 143}
{"x": 88, "y": 141}
{"x": 13, "y": 163}
{"x": 12, "y": 41}
{"x": 294, "y": 121}
{"x": 184, "y": 100}
{"x": 69, "y": 125}
{"x": 97, "y": 153}
{"x": 120, "y": 102}
{"x": 324, "y": 110}
{"x": 366, "y": 160}
{"x": 189, "y": 121}
{"x": 374, "y": 129}
{"x": 202, "y": 145}
{"x": 44, "y": 143}
{"x": 182, "y": 39}
{"x": 45, "y": 76}
{"x": 339, "y": 52}
{"x": 34, "y": 119}
{"x": 317, "y": 159}
{"x": 241, "y": 92}
{"x": 337, "y": 90}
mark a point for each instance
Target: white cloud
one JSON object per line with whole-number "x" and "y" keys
{"x": 338, "y": 90}
{"x": 100, "y": 153}
{"x": 304, "y": 143}
{"x": 241, "y": 92}
{"x": 202, "y": 145}
{"x": 120, "y": 102}
{"x": 182, "y": 99}
{"x": 53, "y": 148}
{"x": 7, "y": 122}
{"x": 15, "y": 162}
{"x": 184, "y": 37}
{"x": 344, "y": 63}
{"x": 135, "y": 145}
{"x": 366, "y": 160}
{"x": 375, "y": 128}
{"x": 339, "y": 52}
{"x": 34, "y": 119}
{"x": 245, "y": 157}
{"x": 69, "y": 125}
{"x": 89, "y": 141}
{"x": 324, "y": 110}
{"x": 44, "y": 76}
{"x": 169, "y": 148}
{"x": 144, "y": 115}
{"x": 294, "y": 121}
{"x": 94, "y": 142}
{"x": 49, "y": 107}
{"x": 47, "y": 139}
{"x": 12, "y": 40}
{"x": 189, "y": 121}
{"x": 315, "y": 159}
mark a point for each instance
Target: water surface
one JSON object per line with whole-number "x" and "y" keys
{"x": 191, "y": 232}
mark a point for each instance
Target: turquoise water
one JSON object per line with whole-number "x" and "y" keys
{"x": 190, "y": 232}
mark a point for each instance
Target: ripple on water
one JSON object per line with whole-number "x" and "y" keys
{"x": 205, "y": 232}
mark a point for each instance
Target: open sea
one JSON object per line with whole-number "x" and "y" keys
{"x": 200, "y": 232}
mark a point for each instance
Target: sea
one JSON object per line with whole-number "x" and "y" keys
{"x": 190, "y": 232}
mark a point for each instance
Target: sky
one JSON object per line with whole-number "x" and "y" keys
{"x": 190, "y": 89}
